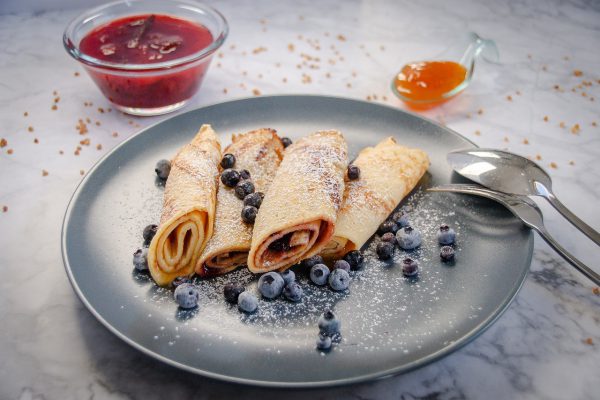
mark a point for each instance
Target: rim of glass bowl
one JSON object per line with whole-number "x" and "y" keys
{"x": 190, "y": 5}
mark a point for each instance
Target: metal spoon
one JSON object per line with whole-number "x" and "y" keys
{"x": 510, "y": 173}
{"x": 528, "y": 212}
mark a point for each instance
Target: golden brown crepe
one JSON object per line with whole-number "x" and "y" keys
{"x": 260, "y": 152}
{"x": 388, "y": 172}
{"x": 188, "y": 212}
{"x": 298, "y": 215}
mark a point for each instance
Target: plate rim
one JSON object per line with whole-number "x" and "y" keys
{"x": 421, "y": 362}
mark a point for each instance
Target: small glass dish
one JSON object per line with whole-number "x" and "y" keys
{"x": 464, "y": 52}
{"x": 151, "y": 88}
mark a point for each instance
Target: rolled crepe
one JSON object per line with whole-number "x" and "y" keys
{"x": 186, "y": 221}
{"x": 297, "y": 217}
{"x": 388, "y": 172}
{"x": 260, "y": 152}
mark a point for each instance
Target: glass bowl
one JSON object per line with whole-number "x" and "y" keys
{"x": 152, "y": 88}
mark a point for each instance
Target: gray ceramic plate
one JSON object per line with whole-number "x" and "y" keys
{"x": 390, "y": 324}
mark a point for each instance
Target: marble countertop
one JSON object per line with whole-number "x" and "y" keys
{"x": 541, "y": 101}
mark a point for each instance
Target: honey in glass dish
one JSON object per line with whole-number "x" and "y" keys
{"x": 429, "y": 80}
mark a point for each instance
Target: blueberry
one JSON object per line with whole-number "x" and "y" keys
{"x": 354, "y": 258}
{"x": 447, "y": 253}
{"x": 329, "y": 324}
{"x": 247, "y": 302}
{"x": 228, "y": 161}
{"x": 401, "y": 219}
{"x": 243, "y": 189}
{"x": 140, "y": 259}
{"x": 149, "y": 232}
{"x": 187, "y": 295}
{"x": 253, "y": 199}
{"x": 385, "y": 250}
{"x": 339, "y": 280}
{"x": 410, "y": 267}
{"x": 163, "y": 169}
{"x": 180, "y": 280}
{"x": 232, "y": 291}
{"x": 342, "y": 264}
{"x": 312, "y": 261}
{"x": 288, "y": 276}
{"x": 387, "y": 226}
{"x": 389, "y": 237}
{"x": 270, "y": 285}
{"x": 408, "y": 238}
{"x": 249, "y": 214}
{"x": 286, "y": 141}
{"x": 319, "y": 274}
{"x": 230, "y": 177}
{"x": 323, "y": 342}
{"x": 245, "y": 174}
{"x": 353, "y": 172}
{"x": 293, "y": 291}
{"x": 446, "y": 235}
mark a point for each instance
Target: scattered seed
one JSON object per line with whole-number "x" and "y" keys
{"x": 25, "y": 114}
{"x": 545, "y": 118}
{"x": 562, "y": 125}
{"x": 54, "y": 107}
{"x": 538, "y": 157}
{"x": 341, "y": 38}
{"x": 76, "y": 73}
{"x": 9, "y": 151}
{"x": 509, "y": 98}
{"x": 477, "y": 133}
{"x": 571, "y": 162}
{"x": 81, "y": 172}
{"x": 44, "y": 172}
{"x": 61, "y": 152}
{"x": 480, "y": 111}
{"x": 98, "y": 146}
{"x": 36, "y": 141}
{"x": 577, "y": 72}
{"x": 3, "y": 142}
{"x": 30, "y": 128}
{"x": 553, "y": 165}
{"x": 589, "y": 341}
{"x": 115, "y": 134}
{"x": 595, "y": 290}
{"x": 85, "y": 142}
{"x": 256, "y": 92}
{"x": 575, "y": 129}
{"x": 525, "y": 141}
{"x": 4, "y": 208}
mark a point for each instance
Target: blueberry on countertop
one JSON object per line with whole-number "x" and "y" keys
{"x": 180, "y": 280}
{"x": 270, "y": 285}
{"x": 254, "y": 199}
{"x": 339, "y": 279}
{"x": 410, "y": 267}
{"x": 385, "y": 250}
{"x": 310, "y": 262}
{"x": 228, "y": 161}
{"x": 186, "y": 295}
{"x": 232, "y": 291}
{"x": 286, "y": 141}
{"x": 446, "y": 235}
{"x": 293, "y": 291}
{"x": 388, "y": 237}
{"x": 354, "y": 258}
{"x": 328, "y": 323}
{"x": 245, "y": 174}
{"x": 387, "y": 226}
{"x": 230, "y": 177}
{"x": 149, "y": 232}
{"x": 163, "y": 169}
{"x": 243, "y": 189}
{"x": 408, "y": 238}
{"x": 401, "y": 219}
{"x": 288, "y": 276}
{"x": 249, "y": 214}
{"x": 323, "y": 342}
{"x": 353, "y": 172}
{"x": 447, "y": 253}
{"x": 140, "y": 259}
{"x": 319, "y": 274}
{"x": 342, "y": 264}
{"x": 247, "y": 302}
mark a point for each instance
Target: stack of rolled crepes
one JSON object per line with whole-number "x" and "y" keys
{"x": 388, "y": 172}
{"x": 186, "y": 222}
{"x": 260, "y": 152}
{"x": 298, "y": 215}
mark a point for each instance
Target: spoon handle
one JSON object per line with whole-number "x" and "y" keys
{"x": 570, "y": 258}
{"x": 573, "y": 219}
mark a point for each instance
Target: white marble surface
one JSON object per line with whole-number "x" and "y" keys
{"x": 51, "y": 347}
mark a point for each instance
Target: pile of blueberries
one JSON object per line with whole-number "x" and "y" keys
{"x": 243, "y": 188}
{"x": 338, "y": 278}
{"x": 329, "y": 330}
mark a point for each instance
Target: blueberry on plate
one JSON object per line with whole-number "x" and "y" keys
{"x": 319, "y": 274}
{"x": 339, "y": 280}
{"x": 353, "y": 172}
{"x": 328, "y": 323}
{"x": 446, "y": 235}
{"x": 447, "y": 253}
{"x": 180, "y": 280}
{"x": 408, "y": 238}
{"x": 270, "y": 285}
{"x": 401, "y": 219}
{"x": 140, "y": 259}
{"x": 232, "y": 291}
{"x": 186, "y": 295}
{"x": 228, "y": 161}
{"x": 243, "y": 189}
{"x": 247, "y": 302}
{"x": 293, "y": 291}
{"x": 288, "y": 276}
{"x": 149, "y": 232}
{"x": 385, "y": 250}
{"x": 249, "y": 214}
{"x": 230, "y": 177}
{"x": 323, "y": 342}
{"x": 342, "y": 264}
{"x": 410, "y": 267}
{"x": 244, "y": 174}
{"x": 354, "y": 258}
{"x": 310, "y": 262}
{"x": 163, "y": 169}
{"x": 388, "y": 237}
{"x": 286, "y": 141}
{"x": 254, "y": 199}
{"x": 387, "y": 226}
